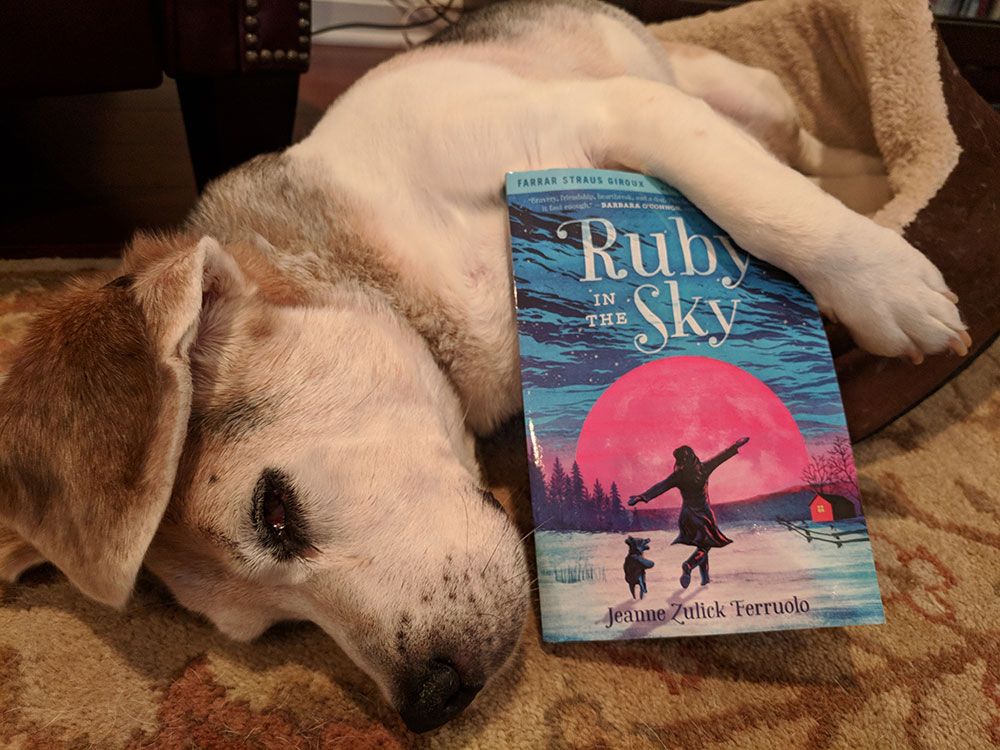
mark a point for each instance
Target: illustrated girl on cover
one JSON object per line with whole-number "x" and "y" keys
{"x": 697, "y": 523}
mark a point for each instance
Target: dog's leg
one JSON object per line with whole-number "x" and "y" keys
{"x": 890, "y": 296}
{"x": 757, "y": 101}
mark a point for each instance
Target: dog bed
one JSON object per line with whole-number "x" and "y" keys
{"x": 874, "y": 76}
{"x": 74, "y": 674}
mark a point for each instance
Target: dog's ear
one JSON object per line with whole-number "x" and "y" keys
{"x": 16, "y": 555}
{"x": 93, "y": 415}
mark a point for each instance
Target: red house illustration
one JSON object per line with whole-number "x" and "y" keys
{"x": 828, "y": 507}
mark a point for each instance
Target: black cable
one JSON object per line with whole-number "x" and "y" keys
{"x": 439, "y": 11}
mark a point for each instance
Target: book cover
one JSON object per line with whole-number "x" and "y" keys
{"x": 690, "y": 466}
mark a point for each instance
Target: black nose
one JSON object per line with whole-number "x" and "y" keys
{"x": 438, "y": 697}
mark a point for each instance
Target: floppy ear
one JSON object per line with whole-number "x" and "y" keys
{"x": 16, "y": 555}
{"x": 93, "y": 415}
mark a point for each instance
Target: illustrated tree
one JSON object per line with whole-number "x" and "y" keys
{"x": 579, "y": 498}
{"x": 599, "y": 506}
{"x": 840, "y": 459}
{"x": 833, "y": 470}
{"x": 557, "y": 494}
{"x": 539, "y": 494}
{"x": 818, "y": 474}
{"x": 619, "y": 516}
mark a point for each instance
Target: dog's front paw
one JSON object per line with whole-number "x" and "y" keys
{"x": 892, "y": 298}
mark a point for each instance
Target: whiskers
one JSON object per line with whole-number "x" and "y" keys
{"x": 509, "y": 528}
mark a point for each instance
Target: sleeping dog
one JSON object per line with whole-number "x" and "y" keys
{"x": 247, "y": 404}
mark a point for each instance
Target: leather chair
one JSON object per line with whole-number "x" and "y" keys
{"x": 236, "y": 62}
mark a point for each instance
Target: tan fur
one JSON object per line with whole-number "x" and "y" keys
{"x": 16, "y": 555}
{"x": 91, "y": 366}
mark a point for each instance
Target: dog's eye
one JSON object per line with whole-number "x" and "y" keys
{"x": 274, "y": 511}
{"x": 277, "y": 516}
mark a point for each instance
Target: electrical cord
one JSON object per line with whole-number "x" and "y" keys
{"x": 440, "y": 13}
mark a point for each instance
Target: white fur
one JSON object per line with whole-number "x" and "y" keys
{"x": 421, "y": 147}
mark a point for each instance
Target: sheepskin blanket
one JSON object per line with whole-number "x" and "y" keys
{"x": 74, "y": 674}
{"x": 874, "y": 76}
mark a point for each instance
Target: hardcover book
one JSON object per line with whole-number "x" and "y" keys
{"x": 690, "y": 466}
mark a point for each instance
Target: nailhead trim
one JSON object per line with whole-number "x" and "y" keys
{"x": 256, "y": 57}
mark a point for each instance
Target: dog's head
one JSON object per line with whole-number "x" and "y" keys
{"x": 267, "y": 461}
{"x": 637, "y": 546}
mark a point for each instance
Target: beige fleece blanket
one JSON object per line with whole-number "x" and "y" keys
{"x": 864, "y": 74}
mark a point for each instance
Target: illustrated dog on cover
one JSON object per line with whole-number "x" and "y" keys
{"x": 247, "y": 405}
{"x": 636, "y": 565}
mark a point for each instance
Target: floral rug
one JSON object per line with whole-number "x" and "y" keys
{"x": 74, "y": 674}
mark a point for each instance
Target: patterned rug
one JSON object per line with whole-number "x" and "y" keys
{"x": 74, "y": 674}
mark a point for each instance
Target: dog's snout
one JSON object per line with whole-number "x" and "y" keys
{"x": 439, "y": 695}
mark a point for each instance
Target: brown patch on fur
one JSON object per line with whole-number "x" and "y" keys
{"x": 88, "y": 425}
{"x": 276, "y": 227}
{"x": 16, "y": 555}
{"x": 86, "y": 367}
{"x": 234, "y": 420}
{"x": 295, "y": 240}
{"x": 260, "y": 328}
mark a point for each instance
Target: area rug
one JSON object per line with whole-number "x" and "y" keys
{"x": 74, "y": 674}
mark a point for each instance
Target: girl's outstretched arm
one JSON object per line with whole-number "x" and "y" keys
{"x": 711, "y": 464}
{"x": 657, "y": 489}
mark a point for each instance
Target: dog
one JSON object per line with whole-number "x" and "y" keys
{"x": 305, "y": 366}
{"x": 636, "y": 565}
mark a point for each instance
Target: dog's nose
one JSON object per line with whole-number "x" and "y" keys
{"x": 439, "y": 696}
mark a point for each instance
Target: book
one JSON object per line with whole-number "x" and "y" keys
{"x": 690, "y": 466}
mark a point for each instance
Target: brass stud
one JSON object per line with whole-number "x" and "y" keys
{"x": 304, "y": 57}
{"x": 251, "y": 57}
{"x": 279, "y": 55}
{"x": 293, "y": 55}
{"x": 252, "y": 40}
{"x": 250, "y": 22}
{"x": 303, "y": 9}
{"x": 303, "y": 41}
{"x": 304, "y": 24}
{"x": 265, "y": 56}
{"x": 252, "y": 6}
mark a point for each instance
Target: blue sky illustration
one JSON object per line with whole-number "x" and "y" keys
{"x": 776, "y": 334}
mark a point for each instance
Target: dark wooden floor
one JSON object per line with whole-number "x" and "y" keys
{"x": 82, "y": 173}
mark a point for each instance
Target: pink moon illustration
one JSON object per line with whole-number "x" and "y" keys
{"x": 630, "y": 433}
